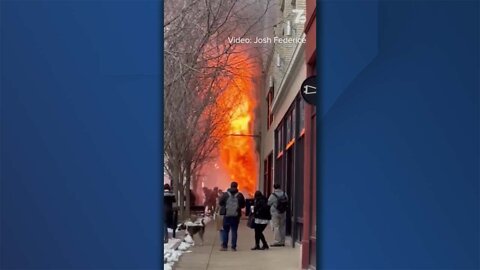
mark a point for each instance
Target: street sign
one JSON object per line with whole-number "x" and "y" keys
{"x": 309, "y": 90}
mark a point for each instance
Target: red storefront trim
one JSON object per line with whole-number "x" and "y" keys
{"x": 307, "y": 189}
{"x": 309, "y": 167}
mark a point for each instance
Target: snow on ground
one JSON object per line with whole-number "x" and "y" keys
{"x": 172, "y": 252}
{"x": 173, "y": 249}
{"x": 184, "y": 246}
{"x": 189, "y": 240}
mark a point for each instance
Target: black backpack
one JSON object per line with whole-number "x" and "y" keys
{"x": 282, "y": 203}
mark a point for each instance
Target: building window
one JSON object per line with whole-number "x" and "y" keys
{"x": 289, "y": 127}
{"x": 313, "y": 224}
{"x": 301, "y": 124}
{"x": 282, "y": 137}
{"x": 269, "y": 109}
{"x": 294, "y": 120}
{"x": 268, "y": 180}
{"x": 279, "y": 141}
{"x": 265, "y": 175}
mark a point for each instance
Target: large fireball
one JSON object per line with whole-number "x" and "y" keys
{"x": 237, "y": 150}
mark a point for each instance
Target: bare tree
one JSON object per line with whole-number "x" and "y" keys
{"x": 199, "y": 65}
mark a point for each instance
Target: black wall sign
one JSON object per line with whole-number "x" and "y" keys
{"x": 309, "y": 90}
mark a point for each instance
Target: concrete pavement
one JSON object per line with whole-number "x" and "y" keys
{"x": 209, "y": 256}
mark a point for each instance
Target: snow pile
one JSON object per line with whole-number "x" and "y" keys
{"x": 184, "y": 246}
{"x": 170, "y": 254}
{"x": 188, "y": 239}
{"x": 175, "y": 248}
{"x": 169, "y": 258}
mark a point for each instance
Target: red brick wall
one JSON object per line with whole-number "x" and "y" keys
{"x": 309, "y": 166}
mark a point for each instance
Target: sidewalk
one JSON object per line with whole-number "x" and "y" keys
{"x": 209, "y": 256}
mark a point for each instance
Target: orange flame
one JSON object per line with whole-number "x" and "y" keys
{"x": 237, "y": 152}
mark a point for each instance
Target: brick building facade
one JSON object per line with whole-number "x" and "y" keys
{"x": 288, "y": 124}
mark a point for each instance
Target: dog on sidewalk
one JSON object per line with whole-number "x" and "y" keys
{"x": 193, "y": 228}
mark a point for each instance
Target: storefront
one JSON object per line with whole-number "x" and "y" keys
{"x": 309, "y": 235}
{"x": 289, "y": 165}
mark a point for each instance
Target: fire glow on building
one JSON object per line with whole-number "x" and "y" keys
{"x": 237, "y": 153}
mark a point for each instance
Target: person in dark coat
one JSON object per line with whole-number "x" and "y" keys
{"x": 193, "y": 198}
{"x": 168, "y": 201}
{"x": 206, "y": 194}
{"x": 231, "y": 204}
{"x": 261, "y": 212}
{"x": 212, "y": 200}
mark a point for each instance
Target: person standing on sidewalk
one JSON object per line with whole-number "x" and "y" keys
{"x": 168, "y": 204}
{"x": 261, "y": 213}
{"x": 231, "y": 204}
{"x": 213, "y": 200}
{"x": 217, "y": 217}
{"x": 278, "y": 202}
{"x": 206, "y": 195}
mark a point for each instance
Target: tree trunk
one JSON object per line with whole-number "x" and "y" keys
{"x": 174, "y": 179}
{"x": 181, "y": 193}
{"x": 195, "y": 187}
{"x": 188, "y": 176}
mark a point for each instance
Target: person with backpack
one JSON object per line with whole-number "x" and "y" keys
{"x": 231, "y": 204}
{"x": 261, "y": 214}
{"x": 278, "y": 202}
